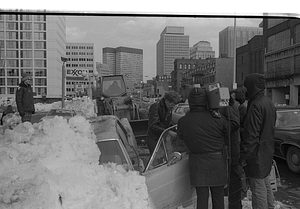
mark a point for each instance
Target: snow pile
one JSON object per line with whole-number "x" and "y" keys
{"x": 54, "y": 164}
{"x": 83, "y": 106}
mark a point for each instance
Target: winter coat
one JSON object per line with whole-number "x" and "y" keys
{"x": 257, "y": 147}
{"x": 204, "y": 136}
{"x": 24, "y": 99}
{"x": 159, "y": 119}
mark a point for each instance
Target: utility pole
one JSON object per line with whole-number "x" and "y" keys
{"x": 234, "y": 56}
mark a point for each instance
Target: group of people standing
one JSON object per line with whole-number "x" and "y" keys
{"x": 225, "y": 146}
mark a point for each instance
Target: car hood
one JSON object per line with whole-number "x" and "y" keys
{"x": 50, "y": 117}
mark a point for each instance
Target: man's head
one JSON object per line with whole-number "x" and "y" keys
{"x": 26, "y": 78}
{"x": 171, "y": 99}
{"x": 254, "y": 84}
{"x": 197, "y": 98}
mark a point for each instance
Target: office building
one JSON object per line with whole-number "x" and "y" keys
{"x": 80, "y": 58}
{"x": 173, "y": 44}
{"x": 125, "y": 61}
{"x": 202, "y": 50}
{"x": 102, "y": 69}
{"x": 281, "y": 42}
{"x": 33, "y": 44}
{"x": 243, "y": 35}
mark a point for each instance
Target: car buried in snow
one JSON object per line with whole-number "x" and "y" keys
{"x": 166, "y": 170}
{"x": 65, "y": 113}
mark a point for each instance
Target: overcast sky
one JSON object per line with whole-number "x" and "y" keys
{"x": 144, "y": 32}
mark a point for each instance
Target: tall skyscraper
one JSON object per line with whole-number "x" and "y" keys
{"x": 125, "y": 61}
{"x": 80, "y": 58}
{"x": 173, "y": 44}
{"x": 243, "y": 35}
{"x": 202, "y": 50}
{"x": 32, "y": 44}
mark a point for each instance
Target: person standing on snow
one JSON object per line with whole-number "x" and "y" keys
{"x": 24, "y": 98}
{"x": 205, "y": 135}
{"x": 257, "y": 146}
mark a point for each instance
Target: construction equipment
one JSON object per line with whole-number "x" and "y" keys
{"x": 113, "y": 99}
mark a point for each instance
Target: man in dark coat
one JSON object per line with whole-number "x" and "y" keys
{"x": 160, "y": 115}
{"x": 205, "y": 136}
{"x": 24, "y": 98}
{"x": 257, "y": 147}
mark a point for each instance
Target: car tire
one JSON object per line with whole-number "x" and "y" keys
{"x": 293, "y": 159}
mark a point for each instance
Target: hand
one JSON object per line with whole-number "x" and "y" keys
{"x": 21, "y": 113}
{"x": 242, "y": 162}
{"x": 172, "y": 134}
{"x": 33, "y": 112}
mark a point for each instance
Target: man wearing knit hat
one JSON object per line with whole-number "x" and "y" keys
{"x": 205, "y": 136}
{"x": 24, "y": 98}
{"x": 257, "y": 146}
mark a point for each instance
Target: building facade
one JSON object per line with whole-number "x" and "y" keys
{"x": 125, "y": 61}
{"x": 243, "y": 35}
{"x": 281, "y": 42}
{"x": 32, "y": 44}
{"x": 249, "y": 59}
{"x": 202, "y": 50}
{"x": 173, "y": 44}
{"x": 80, "y": 58}
{"x": 102, "y": 69}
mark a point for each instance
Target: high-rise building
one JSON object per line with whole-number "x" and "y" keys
{"x": 125, "y": 61}
{"x": 173, "y": 44}
{"x": 80, "y": 58}
{"x": 33, "y": 44}
{"x": 243, "y": 35}
{"x": 202, "y": 50}
{"x": 102, "y": 69}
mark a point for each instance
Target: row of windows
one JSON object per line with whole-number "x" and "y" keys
{"x": 79, "y": 65}
{"x": 13, "y": 72}
{"x": 23, "y": 35}
{"x": 79, "y": 47}
{"x": 23, "y": 63}
{"x": 23, "y": 44}
{"x": 16, "y": 81}
{"x": 23, "y": 54}
{"x": 81, "y": 59}
{"x": 23, "y": 17}
{"x": 22, "y": 26}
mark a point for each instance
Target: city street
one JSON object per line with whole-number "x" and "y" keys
{"x": 289, "y": 193}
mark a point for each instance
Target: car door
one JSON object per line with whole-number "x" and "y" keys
{"x": 169, "y": 185}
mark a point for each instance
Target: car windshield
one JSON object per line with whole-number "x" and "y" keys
{"x": 59, "y": 113}
{"x": 288, "y": 118}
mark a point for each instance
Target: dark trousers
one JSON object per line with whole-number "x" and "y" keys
{"x": 26, "y": 117}
{"x": 235, "y": 188}
{"x": 217, "y": 197}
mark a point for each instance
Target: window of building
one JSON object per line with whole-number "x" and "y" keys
{"x": 297, "y": 34}
{"x": 39, "y": 54}
{"x": 26, "y": 54}
{"x": 28, "y": 71}
{"x": 12, "y": 81}
{"x": 26, "y": 44}
{"x": 25, "y": 26}
{"x": 40, "y": 72}
{"x": 12, "y": 44}
{"x": 11, "y": 54}
{"x": 40, "y": 63}
{"x": 26, "y": 17}
{"x": 2, "y": 90}
{"x": 2, "y": 81}
{"x": 39, "y": 26}
{"x": 11, "y": 17}
{"x": 11, "y": 35}
{"x": 26, "y": 35}
{"x": 40, "y": 81}
{"x": 12, "y": 63}
{"x": 39, "y": 17}
{"x": 39, "y": 45}
{"x": 11, "y": 90}
{"x": 12, "y": 72}
{"x": 26, "y": 63}
{"x": 39, "y": 36}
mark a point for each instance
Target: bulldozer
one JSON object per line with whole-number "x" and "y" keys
{"x": 113, "y": 99}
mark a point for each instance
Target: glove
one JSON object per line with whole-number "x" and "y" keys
{"x": 21, "y": 113}
{"x": 242, "y": 162}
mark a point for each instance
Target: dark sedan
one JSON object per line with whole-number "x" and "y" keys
{"x": 287, "y": 137}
